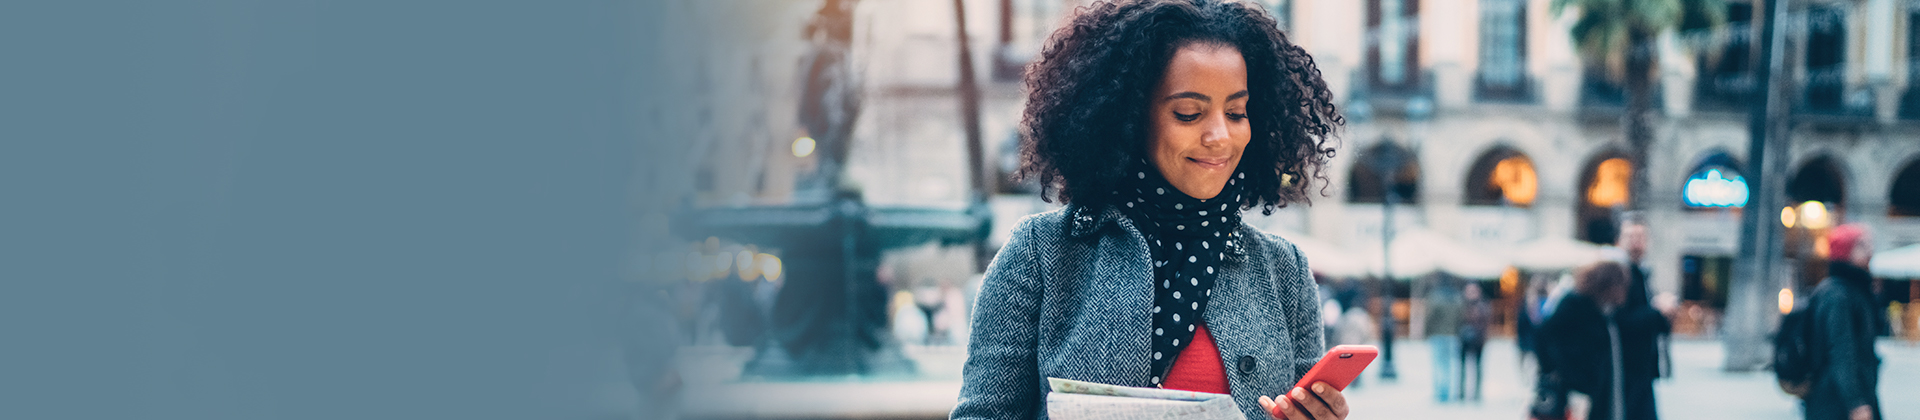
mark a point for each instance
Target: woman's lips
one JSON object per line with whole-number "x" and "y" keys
{"x": 1210, "y": 163}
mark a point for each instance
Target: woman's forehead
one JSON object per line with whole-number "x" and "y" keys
{"x": 1211, "y": 69}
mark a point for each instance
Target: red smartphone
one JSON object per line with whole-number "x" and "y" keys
{"x": 1340, "y": 366}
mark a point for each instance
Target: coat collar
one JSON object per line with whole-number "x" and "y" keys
{"x": 1085, "y": 223}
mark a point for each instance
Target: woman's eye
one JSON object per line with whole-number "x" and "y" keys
{"x": 1186, "y": 117}
{"x": 1237, "y": 117}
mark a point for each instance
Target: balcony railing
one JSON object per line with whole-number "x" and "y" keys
{"x": 1370, "y": 99}
{"x": 1824, "y": 98}
{"x": 1733, "y": 92}
{"x": 1910, "y": 100}
{"x": 1521, "y": 91}
{"x": 1600, "y": 96}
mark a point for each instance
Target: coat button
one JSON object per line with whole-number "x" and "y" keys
{"x": 1247, "y": 364}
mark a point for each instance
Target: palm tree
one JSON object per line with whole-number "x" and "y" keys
{"x": 1622, "y": 34}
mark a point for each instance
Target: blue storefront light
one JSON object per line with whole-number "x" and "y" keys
{"x": 1713, "y": 188}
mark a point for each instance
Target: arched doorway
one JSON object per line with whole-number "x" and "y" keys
{"x": 1816, "y": 200}
{"x": 1716, "y": 182}
{"x": 1364, "y": 180}
{"x": 1502, "y": 176}
{"x": 1711, "y": 196}
{"x": 1604, "y": 190}
{"x": 1820, "y": 179}
{"x": 1903, "y": 200}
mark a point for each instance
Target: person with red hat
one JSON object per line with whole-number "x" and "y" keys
{"x": 1844, "y": 323}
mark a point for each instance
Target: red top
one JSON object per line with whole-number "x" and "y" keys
{"x": 1199, "y": 367}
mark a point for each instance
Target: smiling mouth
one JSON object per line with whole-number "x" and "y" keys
{"x": 1213, "y": 163}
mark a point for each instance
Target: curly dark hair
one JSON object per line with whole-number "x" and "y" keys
{"x": 1088, "y": 95}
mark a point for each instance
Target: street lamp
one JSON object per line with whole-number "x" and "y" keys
{"x": 1387, "y": 163}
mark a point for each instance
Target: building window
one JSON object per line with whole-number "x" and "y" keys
{"x": 1910, "y": 102}
{"x": 1282, "y": 11}
{"x": 1826, "y": 59}
{"x": 1393, "y": 43}
{"x": 1503, "y": 51}
{"x": 1725, "y": 80}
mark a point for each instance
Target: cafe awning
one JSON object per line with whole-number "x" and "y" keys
{"x": 1897, "y": 263}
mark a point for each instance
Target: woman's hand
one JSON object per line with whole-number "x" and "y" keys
{"x": 1322, "y": 403}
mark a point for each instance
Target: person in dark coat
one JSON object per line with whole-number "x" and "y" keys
{"x": 1579, "y": 345}
{"x": 1848, "y": 371}
{"x": 1476, "y": 323}
{"x": 1443, "y": 337}
{"x": 1643, "y": 329}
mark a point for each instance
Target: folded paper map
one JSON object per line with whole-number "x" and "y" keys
{"x": 1077, "y": 400}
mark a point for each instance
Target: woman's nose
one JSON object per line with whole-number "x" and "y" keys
{"x": 1215, "y": 130}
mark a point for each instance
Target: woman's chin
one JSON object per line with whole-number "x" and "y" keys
{"x": 1203, "y": 194}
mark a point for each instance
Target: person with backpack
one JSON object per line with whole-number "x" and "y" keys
{"x": 1580, "y": 346}
{"x": 1837, "y": 369}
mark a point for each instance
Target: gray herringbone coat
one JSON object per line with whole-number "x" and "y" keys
{"x": 1069, "y": 297}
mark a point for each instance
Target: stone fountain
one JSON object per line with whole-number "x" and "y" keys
{"x": 829, "y": 318}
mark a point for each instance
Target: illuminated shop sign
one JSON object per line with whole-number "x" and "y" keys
{"x": 1714, "y": 188}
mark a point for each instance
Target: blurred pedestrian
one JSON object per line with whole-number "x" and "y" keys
{"x": 1843, "y": 324}
{"x": 1527, "y": 324}
{"x": 650, "y": 343}
{"x": 1355, "y": 325}
{"x": 1579, "y": 344}
{"x": 1443, "y": 336}
{"x": 1476, "y": 320}
{"x": 1158, "y": 122}
{"x": 1643, "y": 329}
{"x": 1331, "y": 306}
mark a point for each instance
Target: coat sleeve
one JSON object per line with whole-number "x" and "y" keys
{"x": 1308, "y": 335}
{"x": 1001, "y": 376}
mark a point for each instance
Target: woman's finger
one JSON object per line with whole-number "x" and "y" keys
{"x": 1315, "y": 408}
{"x": 1286, "y": 409}
{"x": 1336, "y": 400}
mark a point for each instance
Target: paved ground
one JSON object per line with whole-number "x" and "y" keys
{"x": 1699, "y": 389}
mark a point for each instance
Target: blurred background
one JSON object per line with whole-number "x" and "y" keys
{"x": 851, "y": 177}
{"x": 781, "y": 209}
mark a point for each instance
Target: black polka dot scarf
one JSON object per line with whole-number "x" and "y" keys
{"x": 1188, "y": 239}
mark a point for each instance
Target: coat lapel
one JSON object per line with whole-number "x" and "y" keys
{"x": 1122, "y": 299}
{"x": 1244, "y": 321}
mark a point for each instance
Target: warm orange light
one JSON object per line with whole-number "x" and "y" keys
{"x": 1786, "y": 301}
{"x": 1813, "y": 215}
{"x": 1515, "y": 178}
{"x": 747, "y": 270}
{"x": 1610, "y": 181}
{"x": 769, "y": 266}
{"x": 1788, "y": 217}
{"x": 1509, "y": 281}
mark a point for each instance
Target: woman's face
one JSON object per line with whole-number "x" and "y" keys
{"x": 1199, "y": 115}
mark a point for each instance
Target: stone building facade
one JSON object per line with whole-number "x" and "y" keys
{"x": 1459, "y": 85}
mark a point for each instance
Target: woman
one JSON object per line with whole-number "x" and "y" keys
{"x": 1158, "y": 122}
{"x": 1579, "y": 344}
